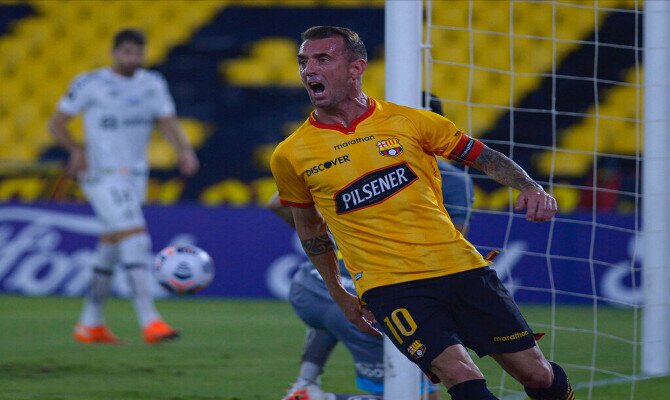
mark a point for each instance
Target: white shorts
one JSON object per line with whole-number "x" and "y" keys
{"x": 117, "y": 200}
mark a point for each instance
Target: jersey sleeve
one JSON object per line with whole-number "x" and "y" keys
{"x": 438, "y": 135}
{"x": 292, "y": 188}
{"x": 164, "y": 102}
{"x": 77, "y": 96}
{"x": 441, "y": 137}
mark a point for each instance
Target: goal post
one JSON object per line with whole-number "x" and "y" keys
{"x": 402, "y": 30}
{"x": 656, "y": 190}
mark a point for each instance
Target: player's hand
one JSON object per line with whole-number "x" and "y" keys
{"x": 76, "y": 162}
{"x": 540, "y": 206}
{"x": 188, "y": 163}
{"x": 357, "y": 315}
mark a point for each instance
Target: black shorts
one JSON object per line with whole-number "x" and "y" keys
{"x": 472, "y": 308}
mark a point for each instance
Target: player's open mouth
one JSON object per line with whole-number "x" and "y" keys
{"x": 317, "y": 88}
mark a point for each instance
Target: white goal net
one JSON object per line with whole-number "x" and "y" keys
{"x": 558, "y": 87}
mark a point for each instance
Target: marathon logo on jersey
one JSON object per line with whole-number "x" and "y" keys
{"x": 354, "y": 141}
{"x": 416, "y": 349}
{"x": 374, "y": 188}
{"x": 389, "y": 147}
{"x": 327, "y": 165}
{"x": 109, "y": 122}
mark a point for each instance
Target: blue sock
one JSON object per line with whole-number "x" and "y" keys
{"x": 471, "y": 390}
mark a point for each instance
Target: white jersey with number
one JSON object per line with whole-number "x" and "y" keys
{"x": 119, "y": 115}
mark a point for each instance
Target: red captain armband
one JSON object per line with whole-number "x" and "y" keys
{"x": 467, "y": 150}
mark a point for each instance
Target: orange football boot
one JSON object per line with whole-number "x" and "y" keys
{"x": 158, "y": 331}
{"x": 95, "y": 334}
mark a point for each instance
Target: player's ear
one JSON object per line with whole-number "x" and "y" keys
{"x": 357, "y": 68}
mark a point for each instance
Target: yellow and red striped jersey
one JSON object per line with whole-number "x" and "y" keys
{"x": 378, "y": 187}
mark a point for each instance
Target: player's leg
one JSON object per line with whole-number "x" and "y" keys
{"x": 135, "y": 252}
{"x": 318, "y": 344}
{"x": 417, "y": 317}
{"x": 491, "y": 323}
{"x": 368, "y": 354}
{"x": 460, "y": 374}
{"x": 542, "y": 379}
{"x": 117, "y": 200}
{"x": 91, "y": 326}
{"x": 366, "y": 350}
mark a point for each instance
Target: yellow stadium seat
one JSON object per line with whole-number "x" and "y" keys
{"x": 63, "y": 39}
{"x": 276, "y": 50}
{"x": 247, "y": 72}
{"x": 195, "y": 131}
{"x": 287, "y": 75}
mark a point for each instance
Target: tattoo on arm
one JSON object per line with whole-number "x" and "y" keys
{"x": 318, "y": 245}
{"x": 504, "y": 171}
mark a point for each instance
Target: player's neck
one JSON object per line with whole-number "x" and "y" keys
{"x": 126, "y": 73}
{"x": 344, "y": 112}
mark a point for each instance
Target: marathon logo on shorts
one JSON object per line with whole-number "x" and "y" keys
{"x": 514, "y": 336}
{"x": 327, "y": 165}
{"x": 389, "y": 147}
{"x": 374, "y": 188}
{"x": 416, "y": 349}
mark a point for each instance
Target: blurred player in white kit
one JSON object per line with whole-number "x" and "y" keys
{"x": 120, "y": 104}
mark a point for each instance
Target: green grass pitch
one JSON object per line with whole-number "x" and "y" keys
{"x": 249, "y": 350}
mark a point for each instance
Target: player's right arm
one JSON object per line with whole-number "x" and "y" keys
{"x": 314, "y": 235}
{"x": 320, "y": 248}
{"x": 77, "y": 158}
{"x": 75, "y": 101}
{"x": 282, "y": 211}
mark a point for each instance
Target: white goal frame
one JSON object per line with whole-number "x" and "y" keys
{"x": 404, "y": 72}
{"x": 403, "y": 59}
{"x": 656, "y": 190}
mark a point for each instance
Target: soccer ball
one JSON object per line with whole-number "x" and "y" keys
{"x": 183, "y": 269}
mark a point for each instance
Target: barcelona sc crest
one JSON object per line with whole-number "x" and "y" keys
{"x": 389, "y": 147}
{"x": 416, "y": 349}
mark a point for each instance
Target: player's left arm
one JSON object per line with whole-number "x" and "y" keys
{"x": 172, "y": 131}
{"x": 540, "y": 206}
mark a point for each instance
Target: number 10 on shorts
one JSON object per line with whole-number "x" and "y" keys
{"x": 401, "y": 322}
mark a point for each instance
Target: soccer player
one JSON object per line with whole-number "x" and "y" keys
{"x": 121, "y": 104}
{"x": 364, "y": 170}
{"x": 327, "y": 324}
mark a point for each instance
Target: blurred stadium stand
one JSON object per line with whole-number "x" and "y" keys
{"x": 237, "y": 90}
